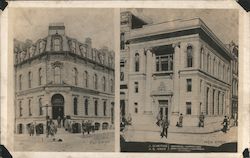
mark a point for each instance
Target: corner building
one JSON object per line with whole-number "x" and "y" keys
{"x": 58, "y": 75}
{"x": 172, "y": 68}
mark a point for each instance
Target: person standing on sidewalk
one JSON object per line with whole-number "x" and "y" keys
{"x": 225, "y": 124}
{"x": 164, "y": 124}
{"x": 201, "y": 120}
{"x": 180, "y": 120}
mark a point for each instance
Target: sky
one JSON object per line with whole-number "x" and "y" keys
{"x": 223, "y": 22}
{"x": 98, "y": 24}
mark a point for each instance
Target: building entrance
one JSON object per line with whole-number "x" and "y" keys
{"x": 163, "y": 108}
{"x": 57, "y": 101}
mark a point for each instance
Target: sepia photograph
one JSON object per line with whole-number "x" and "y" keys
{"x": 179, "y": 80}
{"x": 64, "y": 79}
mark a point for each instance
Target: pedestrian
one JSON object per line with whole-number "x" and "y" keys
{"x": 47, "y": 127}
{"x": 180, "y": 120}
{"x": 225, "y": 124}
{"x": 159, "y": 118}
{"x": 201, "y": 120}
{"x": 64, "y": 118}
{"x": 164, "y": 125}
{"x": 59, "y": 121}
{"x": 235, "y": 119}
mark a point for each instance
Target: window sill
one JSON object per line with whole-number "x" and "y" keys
{"x": 163, "y": 73}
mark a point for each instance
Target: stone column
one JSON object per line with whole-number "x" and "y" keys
{"x": 148, "y": 100}
{"x": 215, "y": 102}
{"x": 176, "y": 80}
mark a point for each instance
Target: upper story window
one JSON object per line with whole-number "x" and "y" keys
{"x": 75, "y": 106}
{"x": 40, "y": 106}
{"x": 104, "y": 83}
{"x": 189, "y": 85}
{"x": 189, "y": 56}
{"x": 30, "y": 114}
{"x": 86, "y": 107}
{"x": 20, "y": 109}
{"x": 137, "y": 62}
{"x": 164, "y": 62}
{"x": 104, "y": 108}
{"x": 29, "y": 79}
{"x": 111, "y": 85}
{"x": 41, "y": 47}
{"x": 136, "y": 87}
{"x": 83, "y": 51}
{"x": 122, "y": 44}
{"x": 57, "y": 75}
{"x": 20, "y": 82}
{"x": 122, "y": 71}
{"x": 86, "y": 78}
{"x": 40, "y": 76}
{"x": 75, "y": 73}
{"x": 95, "y": 81}
{"x": 96, "y": 108}
{"x": 73, "y": 46}
{"x": 57, "y": 44}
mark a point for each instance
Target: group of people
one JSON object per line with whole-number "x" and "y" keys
{"x": 87, "y": 126}
{"x": 51, "y": 128}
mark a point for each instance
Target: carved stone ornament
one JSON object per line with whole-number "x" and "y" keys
{"x": 162, "y": 87}
{"x": 57, "y": 64}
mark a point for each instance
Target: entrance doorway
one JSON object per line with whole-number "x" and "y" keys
{"x": 163, "y": 107}
{"x": 57, "y": 101}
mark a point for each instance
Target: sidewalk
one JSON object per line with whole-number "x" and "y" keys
{"x": 215, "y": 138}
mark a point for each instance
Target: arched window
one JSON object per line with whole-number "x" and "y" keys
{"x": 29, "y": 79}
{"x": 20, "y": 82}
{"x": 57, "y": 75}
{"x": 75, "y": 106}
{"x": 83, "y": 51}
{"x": 95, "y": 81}
{"x": 73, "y": 46}
{"x": 57, "y": 44}
{"x": 189, "y": 56}
{"x": 96, "y": 108}
{"x": 104, "y": 83}
{"x": 29, "y": 108}
{"x": 20, "y": 109}
{"x": 137, "y": 62}
{"x": 40, "y": 76}
{"x": 104, "y": 108}
{"x": 40, "y": 106}
{"x": 86, "y": 78}
{"x": 75, "y": 76}
{"x": 41, "y": 46}
{"x": 86, "y": 108}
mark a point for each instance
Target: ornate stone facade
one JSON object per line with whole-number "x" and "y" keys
{"x": 58, "y": 75}
{"x": 173, "y": 68}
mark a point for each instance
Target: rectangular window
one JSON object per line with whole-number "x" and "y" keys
{"x": 164, "y": 62}
{"x": 136, "y": 87}
{"x": 56, "y": 45}
{"x": 20, "y": 109}
{"x": 136, "y": 108}
{"x": 30, "y": 114}
{"x": 189, "y": 85}
{"x": 188, "y": 108}
{"x": 104, "y": 108}
{"x": 122, "y": 44}
{"x": 122, "y": 71}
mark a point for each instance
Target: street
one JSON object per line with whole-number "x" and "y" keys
{"x": 100, "y": 141}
